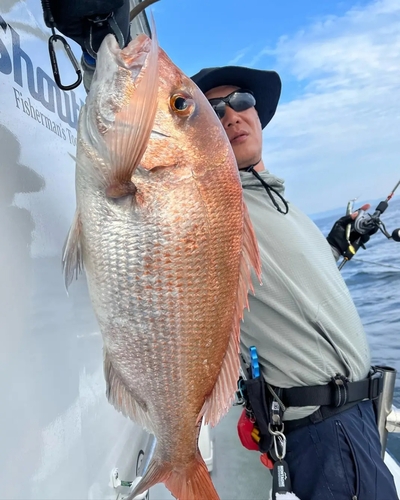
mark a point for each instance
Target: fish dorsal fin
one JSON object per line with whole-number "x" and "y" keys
{"x": 221, "y": 399}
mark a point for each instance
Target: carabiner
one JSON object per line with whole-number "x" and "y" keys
{"x": 282, "y": 443}
{"x": 53, "y": 59}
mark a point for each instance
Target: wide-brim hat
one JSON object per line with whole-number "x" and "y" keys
{"x": 265, "y": 85}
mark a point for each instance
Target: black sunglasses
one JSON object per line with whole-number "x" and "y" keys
{"x": 238, "y": 100}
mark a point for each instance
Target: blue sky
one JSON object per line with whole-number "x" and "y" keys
{"x": 197, "y": 33}
{"x": 336, "y": 134}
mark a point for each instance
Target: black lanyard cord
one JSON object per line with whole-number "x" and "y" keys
{"x": 268, "y": 189}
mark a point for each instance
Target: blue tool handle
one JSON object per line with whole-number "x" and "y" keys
{"x": 255, "y": 367}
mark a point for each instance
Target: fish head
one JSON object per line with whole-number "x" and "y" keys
{"x": 117, "y": 79}
{"x": 187, "y": 134}
{"x": 144, "y": 115}
{"x": 116, "y": 121}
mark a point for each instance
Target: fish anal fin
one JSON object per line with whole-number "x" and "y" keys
{"x": 190, "y": 483}
{"x": 122, "y": 398}
{"x": 72, "y": 255}
{"x": 222, "y": 396}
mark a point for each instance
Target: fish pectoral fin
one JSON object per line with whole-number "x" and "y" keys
{"x": 220, "y": 400}
{"x": 72, "y": 255}
{"x": 190, "y": 483}
{"x": 128, "y": 138}
{"x": 122, "y": 398}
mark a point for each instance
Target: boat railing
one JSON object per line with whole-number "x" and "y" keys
{"x": 393, "y": 420}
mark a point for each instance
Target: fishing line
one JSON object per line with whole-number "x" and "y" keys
{"x": 376, "y": 263}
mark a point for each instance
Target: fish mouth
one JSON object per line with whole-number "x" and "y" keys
{"x": 133, "y": 56}
{"x": 116, "y": 80}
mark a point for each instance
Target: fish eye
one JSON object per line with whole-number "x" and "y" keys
{"x": 181, "y": 104}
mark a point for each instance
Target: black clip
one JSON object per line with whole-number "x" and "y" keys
{"x": 276, "y": 414}
{"x": 240, "y": 397}
{"x": 53, "y": 59}
{"x": 277, "y": 408}
{"x": 99, "y": 22}
{"x": 375, "y": 385}
{"x": 340, "y": 388}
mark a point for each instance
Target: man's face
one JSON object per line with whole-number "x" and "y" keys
{"x": 243, "y": 129}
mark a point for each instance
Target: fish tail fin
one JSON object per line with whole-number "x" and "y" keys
{"x": 192, "y": 483}
{"x": 157, "y": 472}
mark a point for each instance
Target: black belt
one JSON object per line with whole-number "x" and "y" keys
{"x": 339, "y": 392}
{"x": 337, "y": 396}
{"x": 319, "y": 415}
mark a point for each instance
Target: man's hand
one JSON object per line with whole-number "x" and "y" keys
{"x": 338, "y": 240}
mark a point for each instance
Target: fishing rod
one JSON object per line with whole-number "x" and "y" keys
{"x": 365, "y": 223}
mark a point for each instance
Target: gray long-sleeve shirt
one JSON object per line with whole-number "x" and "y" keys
{"x": 302, "y": 318}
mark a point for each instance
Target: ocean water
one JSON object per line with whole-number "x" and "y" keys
{"x": 373, "y": 278}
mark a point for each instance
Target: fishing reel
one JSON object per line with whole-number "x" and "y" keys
{"x": 366, "y": 223}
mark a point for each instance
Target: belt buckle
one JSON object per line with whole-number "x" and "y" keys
{"x": 340, "y": 392}
{"x": 375, "y": 385}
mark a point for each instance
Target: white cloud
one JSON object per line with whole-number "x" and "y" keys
{"x": 238, "y": 57}
{"x": 340, "y": 136}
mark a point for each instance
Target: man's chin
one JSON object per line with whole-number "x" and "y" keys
{"x": 245, "y": 162}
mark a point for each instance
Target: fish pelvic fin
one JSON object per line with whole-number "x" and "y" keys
{"x": 128, "y": 138}
{"x": 122, "y": 398}
{"x": 192, "y": 483}
{"x": 223, "y": 394}
{"x": 72, "y": 254}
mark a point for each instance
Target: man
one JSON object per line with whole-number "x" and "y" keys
{"x": 302, "y": 319}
